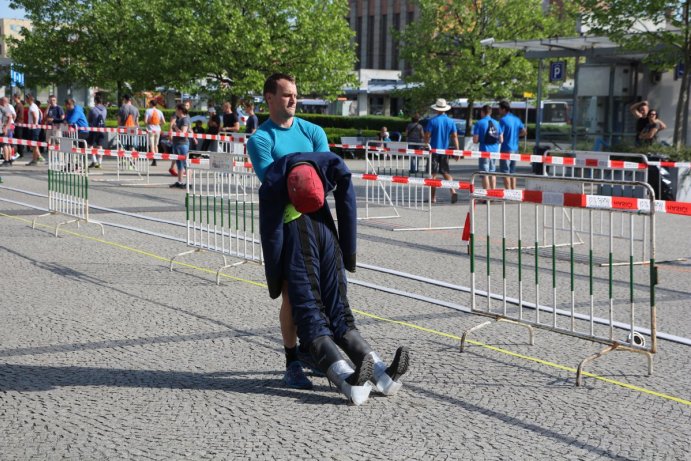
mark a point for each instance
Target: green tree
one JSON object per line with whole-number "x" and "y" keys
{"x": 666, "y": 31}
{"x": 103, "y": 43}
{"x": 222, "y": 46}
{"x": 447, "y": 59}
{"x": 236, "y": 44}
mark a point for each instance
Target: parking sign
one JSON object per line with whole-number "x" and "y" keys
{"x": 557, "y": 71}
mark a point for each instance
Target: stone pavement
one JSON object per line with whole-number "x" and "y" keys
{"x": 106, "y": 354}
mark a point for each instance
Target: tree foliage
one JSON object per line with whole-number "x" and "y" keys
{"x": 662, "y": 26}
{"x": 447, "y": 59}
{"x": 225, "y": 46}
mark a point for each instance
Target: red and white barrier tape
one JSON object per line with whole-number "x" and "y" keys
{"x": 128, "y": 154}
{"x": 126, "y": 131}
{"x": 546, "y": 159}
{"x": 146, "y": 155}
{"x": 22, "y": 142}
{"x": 444, "y": 184}
{"x": 600, "y": 202}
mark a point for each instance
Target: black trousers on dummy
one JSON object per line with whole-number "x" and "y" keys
{"x": 313, "y": 269}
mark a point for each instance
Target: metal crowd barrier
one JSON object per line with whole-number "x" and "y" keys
{"x": 599, "y": 166}
{"x": 564, "y": 291}
{"x": 133, "y": 139}
{"x": 396, "y": 159}
{"x": 222, "y": 209}
{"x": 236, "y": 146}
{"x": 68, "y": 183}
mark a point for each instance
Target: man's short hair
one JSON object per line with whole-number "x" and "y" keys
{"x": 126, "y": 98}
{"x": 486, "y": 109}
{"x": 152, "y": 103}
{"x": 505, "y": 105}
{"x": 271, "y": 83}
{"x": 70, "y": 101}
{"x": 97, "y": 99}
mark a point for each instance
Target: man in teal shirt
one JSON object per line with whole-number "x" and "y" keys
{"x": 283, "y": 134}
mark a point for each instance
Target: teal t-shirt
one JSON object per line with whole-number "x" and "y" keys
{"x": 271, "y": 142}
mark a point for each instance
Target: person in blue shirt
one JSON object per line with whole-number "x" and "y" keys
{"x": 487, "y": 132}
{"x": 74, "y": 117}
{"x": 439, "y": 130}
{"x": 513, "y": 129}
{"x": 280, "y": 135}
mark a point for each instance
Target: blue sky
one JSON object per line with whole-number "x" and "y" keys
{"x": 6, "y": 12}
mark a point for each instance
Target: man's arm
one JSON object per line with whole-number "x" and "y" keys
{"x": 321, "y": 142}
{"x": 635, "y": 108}
{"x": 428, "y": 136}
{"x": 259, "y": 151}
{"x": 454, "y": 138}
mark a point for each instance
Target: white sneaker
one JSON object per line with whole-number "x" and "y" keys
{"x": 353, "y": 384}
{"x": 15, "y": 156}
{"x": 387, "y": 380}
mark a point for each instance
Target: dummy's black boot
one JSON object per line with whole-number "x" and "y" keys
{"x": 385, "y": 379}
{"x": 352, "y": 383}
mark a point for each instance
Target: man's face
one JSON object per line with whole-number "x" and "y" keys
{"x": 644, "y": 110}
{"x": 53, "y": 101}
{"x": 282, "y": 104}
{"x": 68, "y": 106}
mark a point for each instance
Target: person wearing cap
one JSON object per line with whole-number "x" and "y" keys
{"x": 306, "y": 255}
{"x": 439, "y": 130}
{"x": 280, "y": 135}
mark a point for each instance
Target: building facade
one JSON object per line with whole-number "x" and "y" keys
{"x": 379, "y": 65}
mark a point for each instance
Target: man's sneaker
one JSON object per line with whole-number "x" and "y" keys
{"x": 295, "y": 377}
{"x": 41, "y": 160}
{"x": 178, "y": 185}
{"x": 400, "y": 363}
{"x": 454, "y": 197}
{"x": 97, "y": 165}
{"x": 153, "y": 162}
{"x": 6, "y": 163}
{"x": 307, "y": 360}
{"x": 172, "y": 171}
{"x": 15, "y": 156}
{"x": 92, "y": 164}
{"x": 31, "y": 163}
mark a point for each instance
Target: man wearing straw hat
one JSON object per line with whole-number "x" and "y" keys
{"x": 438, "y": 131}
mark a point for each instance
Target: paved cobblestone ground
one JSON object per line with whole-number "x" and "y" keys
{"x": 106, "y": 354}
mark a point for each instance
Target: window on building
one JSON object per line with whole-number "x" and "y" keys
{"x": 369, "y": 63}
{"x": 383, "y": 32}
{"x": 358, "y": 41}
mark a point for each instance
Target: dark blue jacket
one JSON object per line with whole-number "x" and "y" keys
{"x": 273, "y": 198}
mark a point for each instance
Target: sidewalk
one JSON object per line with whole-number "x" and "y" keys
{"x": 106, "y": 354}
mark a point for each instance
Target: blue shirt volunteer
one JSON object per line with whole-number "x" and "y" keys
{"x": 440, "y": 129}
{"x": 511, "y": 126}
{"x": 480, "y": 129}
